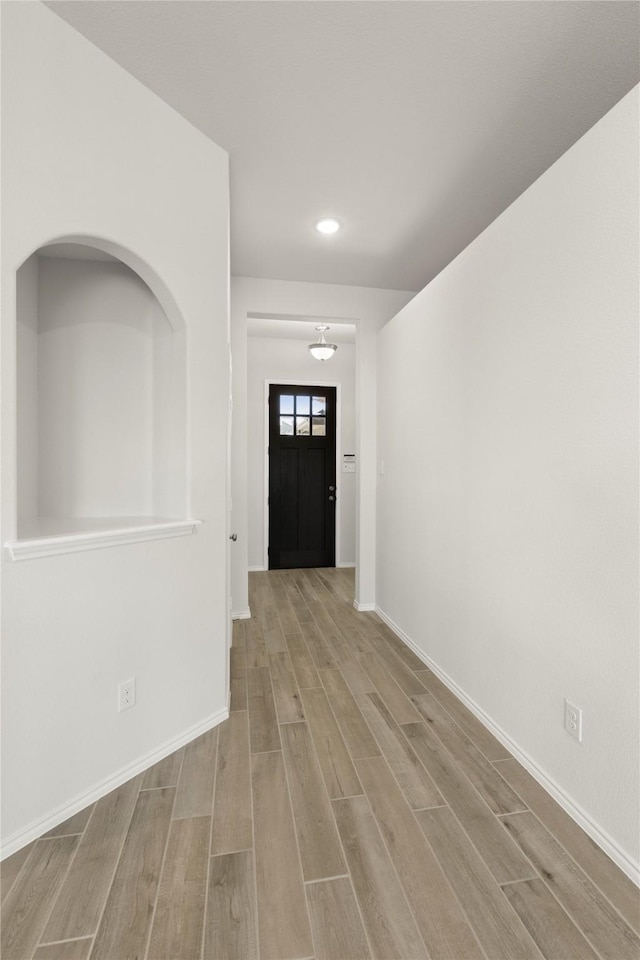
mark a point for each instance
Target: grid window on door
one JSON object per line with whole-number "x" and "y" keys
{"x": 319, "y": 416}
{"x": 303, "y": 416}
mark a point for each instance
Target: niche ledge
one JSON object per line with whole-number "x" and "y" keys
{"x": 47, "y": 537}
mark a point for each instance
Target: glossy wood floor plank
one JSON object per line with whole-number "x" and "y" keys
{"x": 165, "y": 773}
{"x": 319, "y": 649}
{"x": 357, "y": 735}
{"x": 126, "y": 922}
{"x": 233, "y": 819}
{"x": 73, "y": 826}
{"x": 272, "y": 632}
{"x": 391, "y": 929}
{"x": 238, "y": 695}
{"x": 401, "y": 673}
{"x": 487, "y": 780}
{"x": 417, "y": 786}
{"x": 351, "y": 625}
{"x": 357, "y": 641}
{"x": 324, "y": 587}
{"x": 335, "y": 921}
{"x": 81, "y": 900}
{"x": 303, "y": 666}
{"x": 288, "y": 620}
{"x": 398, "y": 705}
{"x": 11, "y": 867}
{"x": 547, "y": 922}
{"x": 71, "y": 950}
{"x": 263, "y": 720}
{"x": 339, "y": 584}
{"x": 618, "y": 888}
{"x": 256, "y": 652}
{"x": 404, "y": 652}
{"x": 612, "y": 938}
{"x": 340, "y": 647}
{"x": 497, "y": 928}
{"x": 318, "y": 841}
{"x": 290, "y": 711}
{"x": 302, "y": 612}
{"x": 283, "y": 677}
{"x": 194, "y": 793}
{"x": 327, "y": 626}
{"x": 477, "y": 733}
{"x": 321, "y": 593}
{"x": 238, "y": 633}
{"x": 231, "y": 932}
{"x": 237, "y": 662}
{"x": 27, "y": 905}
{"x": 283, "y": 922}
{"x": 337, "y": 767}
{"x": 506, "y": 861}
{"x": 306, "y": 585}
{"x": 441, "y": 921}
{"x": 222, "y": 872}
{"x": 176, "y": 933}
{"x": 357, "y": 680}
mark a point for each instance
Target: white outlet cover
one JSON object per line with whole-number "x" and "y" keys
{"x": 127, "y": 695}
{"x": 573, "y": 720}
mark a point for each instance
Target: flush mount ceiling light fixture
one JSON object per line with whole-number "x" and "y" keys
{"x": 322, "y": 350}
{"x": 328, "y": 226}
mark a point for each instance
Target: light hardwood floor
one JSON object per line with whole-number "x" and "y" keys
{"x": 350, "y": 808}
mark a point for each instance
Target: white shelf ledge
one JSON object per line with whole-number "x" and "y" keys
{"x": 46, "y": 537}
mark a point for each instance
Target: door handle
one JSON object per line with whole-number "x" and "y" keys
{"x": 331, "y": 496}
{"x": 331, "y": 489}
{"x": 234, "y": 537}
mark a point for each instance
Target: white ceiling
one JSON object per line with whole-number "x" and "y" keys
{"x": 414, "y": 123}
{"x": 297, "y": 328}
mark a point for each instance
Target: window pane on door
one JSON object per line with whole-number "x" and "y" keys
{"x": 302, "y": 426}
{"x": 286, "y": 405}
{"x": 286, "y": 426}
{"x": 319, "y": 408}
{"x": 303, "y": 405}
{"x": 319, "y": 426}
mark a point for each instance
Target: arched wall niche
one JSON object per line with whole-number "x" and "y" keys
{"x": 132, "y": 260}
{"x": 101, "y": 392}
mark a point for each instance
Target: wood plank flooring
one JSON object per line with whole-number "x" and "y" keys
{"x": 350, "y": 808}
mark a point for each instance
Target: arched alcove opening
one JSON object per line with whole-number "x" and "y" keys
{"x": 101, "y": 384}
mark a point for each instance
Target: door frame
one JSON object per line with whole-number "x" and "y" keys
{"x": 303, "y": 383}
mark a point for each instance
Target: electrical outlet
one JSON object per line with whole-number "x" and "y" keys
{"x": 573, "y": 720}
{"x": 127, "y": 695}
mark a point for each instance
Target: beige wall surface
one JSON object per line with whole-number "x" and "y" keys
{"x": 88, "y": 152}
{"x": 508, "y": 507}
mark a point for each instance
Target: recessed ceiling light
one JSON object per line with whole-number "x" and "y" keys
{"x": 329, "y": 225}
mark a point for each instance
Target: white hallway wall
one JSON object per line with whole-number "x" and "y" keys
{"x": 105, "y": 157}
{"x": 508, "y": 510}
{"x": 369, "y": 309}
{"x": 289, "y": 360}
{"x": 95, "y": 448}
{"x": 27, "y": 388}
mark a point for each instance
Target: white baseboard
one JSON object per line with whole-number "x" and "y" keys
{"x": 257, "y": 569}
{"x": 241, "y": 615}
{"x": 345, "y": 565}
{"x": 364, "y": 607}
{"x": 599, "y": 836}
{"x": 34, "y": 830}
